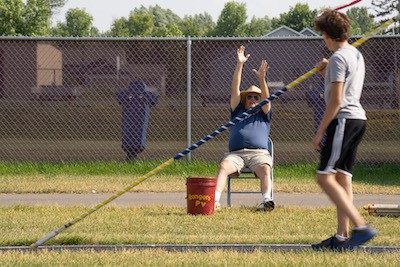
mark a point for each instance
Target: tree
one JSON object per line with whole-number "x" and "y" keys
{"x": 140, "y": 23}
{"x": 95, "y": 32}
{"x": 386, "y": 7}
{"x": 299, "y": 17}
{"x": 146, "y": 22}
{"x": 205, "y": 22}
{"x": 190, "y": 28}
{"x": 78, "y": 22}
{"x": 197, "y": 25}
{"x": 58, "y": 30}
{"x": 11, "y": 18}
{"x": 257, "y": 27}
{"x": 163, "y": 17}
{"x": 231, "y": 21}
{"x": 27, "y": 18}
{"x": 169, "y": 30}
{"x": 119, "y": 28}
{"x": 361, "y": 21}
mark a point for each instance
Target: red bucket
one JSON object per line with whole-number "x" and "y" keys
{"x": 200, "y": 195}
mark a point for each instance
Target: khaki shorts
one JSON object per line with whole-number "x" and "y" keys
{"x": 246, "y": 157}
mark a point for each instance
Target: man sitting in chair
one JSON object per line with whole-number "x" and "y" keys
{"x": 248, "y": 139}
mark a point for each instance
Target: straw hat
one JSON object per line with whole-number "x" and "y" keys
{"x": 251, "y": 89}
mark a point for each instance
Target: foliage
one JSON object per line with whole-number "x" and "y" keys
{"x": 299, "y": 17}
{"x": 94, "y": 32}
{"x": 197, "y": 25}
{"x": 387, "y": 8}
{"x": 190, "y": 28}
{"x": 27, "y": 18}
{"x": 140, "y": 23}
{"x": 257, "y": 27}
{"x": 163, "y": 17}
{"x": 78, "y": 24}
{"x": 119, "y": 28}
{"x": 231, "y": 21}
{"x": 146, "y": 22}
{"x": 169, "y": 30}
{"x": 361, "y": 21}
{"x": 33, "y": 17}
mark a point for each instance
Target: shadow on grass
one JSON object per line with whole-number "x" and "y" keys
{"x": 73, "y": 240}
{"x": 379, "y": 174}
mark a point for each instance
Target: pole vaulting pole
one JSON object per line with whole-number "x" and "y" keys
{"x": 164, "y": 165}
{"x": 383, "y": 209}
{"x": 347, "y": 5}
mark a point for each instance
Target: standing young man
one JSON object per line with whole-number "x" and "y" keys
{"x": 344, "y": 123}
{"x": 248, "y": 139}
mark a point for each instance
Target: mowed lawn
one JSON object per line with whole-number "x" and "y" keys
{"x": 109, "y": 177}
{"x": 23, "y": 225}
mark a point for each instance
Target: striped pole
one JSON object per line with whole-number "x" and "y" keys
{"x": 383, "y": 209}
{"x": 164, "y": 165}
{"x": 347, "y": 5}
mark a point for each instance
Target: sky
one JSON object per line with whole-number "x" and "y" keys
{"x": 104, "y": 12}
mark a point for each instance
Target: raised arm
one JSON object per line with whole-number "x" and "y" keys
{"x": 261, "y": 76}
{"x": 237, "y": 77}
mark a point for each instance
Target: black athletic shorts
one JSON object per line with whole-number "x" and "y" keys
{"x": 340, "y": 148}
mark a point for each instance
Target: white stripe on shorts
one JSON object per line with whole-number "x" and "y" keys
{"x": 336, "y": 144}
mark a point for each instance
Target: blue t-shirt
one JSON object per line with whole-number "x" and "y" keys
{"x": 252, "y": 132}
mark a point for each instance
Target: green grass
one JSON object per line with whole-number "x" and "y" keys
{"x": 107, "y": 168}
{"x": 109, "y": 177}
{"x": 24, "y": 225}
{"x": 210, "y": 258}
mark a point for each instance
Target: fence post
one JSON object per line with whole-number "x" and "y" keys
{"x": 189, "y": 96}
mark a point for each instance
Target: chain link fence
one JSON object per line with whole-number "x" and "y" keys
{"x": 80, "y": 99}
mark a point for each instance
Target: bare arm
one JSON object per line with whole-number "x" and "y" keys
{"x": 237, "y": 77}
{"x": 260, "y": 74}
{"x": 332, "y": 109}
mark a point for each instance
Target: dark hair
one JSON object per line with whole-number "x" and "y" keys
{"x": 333, "y": 23}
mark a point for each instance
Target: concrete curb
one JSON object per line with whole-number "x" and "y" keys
{"x": 193, "y": 247}
{"x": 179, "y": 199}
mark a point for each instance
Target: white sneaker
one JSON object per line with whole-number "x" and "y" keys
{"x": 268, "y": 205}
{"x": 217, "y": 206}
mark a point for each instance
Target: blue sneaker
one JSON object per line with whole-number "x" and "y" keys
{"x": 359, "y": 237}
